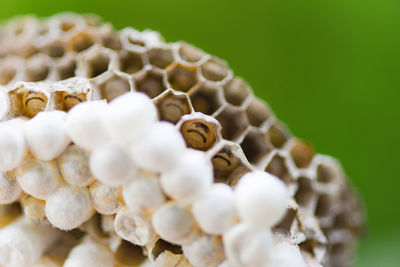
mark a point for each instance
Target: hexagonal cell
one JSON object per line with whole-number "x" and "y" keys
{"x": 160, "y": 57}
{"x": 128, "y": 254}
{"x": 278, "y": 135}
{"x": 258, "y": 112}
{"x": 81, "y": 41}
{"x": 136, "y": 41}
{"x": 36, "y": 69}
{"x": 286, "y": 223}
{"x": 161, "y": 245}
{"x": 214, "y": 70}
{"x": 205, "y": 99}
{"x": 302, "y": 153}
{"x": 26, "y": 51}
{"x": 324, "y": 205}
{"x": 339, "y": 254}
{"x": 325, "y": 174}
{"x": 9, "y": 212}
{"x": 233, "y": 121}
{"x": 27, "y": 103}
{"x": 304, "y": 192}
{"x": 42, "y": 29}
{"x": 91, "y": 20}
{"x": 110, "y": 39}
{"x": 172, "y": 107}
{"x": 190, "y": 53}
{"x": 68, "y": 241}
{"x": 151, "y": 83}
{"x": 94, "y": 226}
{"x": 114, "y": 87}
{"x": 7, "y": 73}
{"x": 66, "y": 68}
{"x": 181, "y": 78}
{"x": 18, "y": 28}
{"x": 256, "y": 146}
{"x": 237, "y": 174}
{"x": 308, "y": 246}
{"x": 67, "y": 25}
{"x": 349, "y": 221}
{"x": 224, "y": 164}
{"x": 97, "y": 64}
{"x": 130, "y": 62}
{"x": 54, "y": 49}
{"x": 199, "y": 134}
{"x": 67, "y": 100}
{"x": 228, "y": 167}
{"x": 236, "y": 91}
{"x": 277, "y": 166}
{"x": 351, "y": 215}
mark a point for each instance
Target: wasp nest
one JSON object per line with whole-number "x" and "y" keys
{"x": 202, "y": 175}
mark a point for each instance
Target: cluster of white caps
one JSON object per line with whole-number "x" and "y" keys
{"x": 119, "y": 160}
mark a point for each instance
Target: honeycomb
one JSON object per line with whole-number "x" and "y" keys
{"x": 215, "y": 111}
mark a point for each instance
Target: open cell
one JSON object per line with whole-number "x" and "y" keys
{"x": 54, "y": 49}
{"x": 214, "y": 70}
{"x": 308, "y": 246}
{"x": 7, "y": 73}
{"x": 236, "y": 91}
{"x": 325, "y": 174}
{"x": 190, "y": 53}
{"x": 81, "y": 41}
{"x": 135, "y": 41}
{"x": 256, "y": 146}
{"x": 181, "y": 78}
{"x": 111, "y": 40}
{"x": 304, "y": 192}
{"x": 160, "y": 57}
{"x": 206, "y": 99}
{"x": 97, "y": 64}
{"x": 234, "y": 122}
{"x": 66, "y": 68}
{"x": 161, "y": 246}
{"x": 278, "y": 135}
{"x": 151, "y": 83}
{"x": 114, "y": 87}
{"x": 67, "y": 26}
{"x": 285, "y": 225}
{"x": 324, "y": 205}
{"x": 258, "y": 112}
{"x": 172, "y": 107}
{"x": 128, "y": 254}
{"x": 277, "y": 166}
{"x": 36, "y": 69}
{"x": 302, "y": 153}
{"x": 130, "y": 62}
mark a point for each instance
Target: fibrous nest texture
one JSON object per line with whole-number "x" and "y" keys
{"x": 80, "y": 181}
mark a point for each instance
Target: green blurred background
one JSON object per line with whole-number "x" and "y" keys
{"x": 329, "y": 69}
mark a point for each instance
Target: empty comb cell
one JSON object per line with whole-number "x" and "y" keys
{"x": 130, "y": 62}
{"x": 302, "y": 153}
{"x": 114, "y": 87}
{"x": 206, "y": 99}
{"x": 81, "y": 41}
{"x": 182, "y": 78}
{"x": 171, "y": 107}
{"x": 151, "y": 83}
